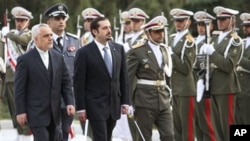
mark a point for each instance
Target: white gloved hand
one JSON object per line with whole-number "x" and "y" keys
{"x": 131, "y": 110}
{"x": 200, "y": 89}
{"x": 5, "y": 31}
{"x": 170, "y": 50}
{"x": 208, "y": 49}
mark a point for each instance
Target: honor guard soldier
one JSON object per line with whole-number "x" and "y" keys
{"x": 66, "y": 44}
{"x": 126, "y": 30}
{"x": 17, "y": 41}
{"x": 150, "y": 64}
{"x": 138, "y": 18}
{"x": 183, "y": 80}
{"x": 224, "y": 54}
{"x": 243, "y": 71}
{"x": 89, "y": 14}
{"x": 203, "y": 124}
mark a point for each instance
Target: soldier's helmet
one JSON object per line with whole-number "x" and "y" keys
{"x": 245, "y": 17}
{"x": 137, "y": 13}
{"x": 21, "y": 13}
{"x": 222, "y": 12}
{"x": 177, "y": 13}
{"x": 56, "y": 10}
{"x": 201, "y": 16}
{"x": 91, "y": 13}
{"x": 156, "y": 23}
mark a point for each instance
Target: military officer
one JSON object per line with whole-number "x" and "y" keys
{"x": 203, "y": 124}
{"x": 243, "y": 71}
{"x": 183, "y": 80}
{"x": 126, "y": 30}
{"x": 224, "y": 54}
{"x": 66, "y": 44}
{"x": 138, "y": 18}
{"x": 18, "y": 40}
{"x": 88, "y": 14}
{"x": 149, "y": 63}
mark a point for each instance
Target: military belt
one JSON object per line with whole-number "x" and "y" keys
{"x": 151, "y": 82}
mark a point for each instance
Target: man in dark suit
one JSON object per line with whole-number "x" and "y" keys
{"x": 67, "y": 44}
{"x": 101, "y": 81}
{"x": 41, "y": 78}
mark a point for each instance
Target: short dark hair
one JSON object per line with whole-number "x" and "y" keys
{"x": 95, "y": 24}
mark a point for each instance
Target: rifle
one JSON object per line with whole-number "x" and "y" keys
{"x": 79, "y": 27}
{"x": 40, "y": 18}
{"x": 122, "y": 28}
{"x": 116, "y": 30}
{"x": 165, "y": 31}
{"x": 208, "y": 39}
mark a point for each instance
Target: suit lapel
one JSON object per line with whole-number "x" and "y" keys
{"x": 96, "y": 53}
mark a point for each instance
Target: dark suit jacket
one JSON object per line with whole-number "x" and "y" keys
{"x": 95, "y": 91}
{"x": 38, "y": 94}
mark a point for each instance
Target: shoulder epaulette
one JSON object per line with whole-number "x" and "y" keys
{"x": 144, "y": 36}
{"x": 235, "y": 35}
{"x": 138, "y": 45}
{"x": 72, "y": 35}
{"x": 189, "y": 38}
{"x": 216, "y": 32}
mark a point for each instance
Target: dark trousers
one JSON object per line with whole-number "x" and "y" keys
{"x": 65, "y": 124}
{"x": 45, "y": 133}
{"x": 102, "y": 129}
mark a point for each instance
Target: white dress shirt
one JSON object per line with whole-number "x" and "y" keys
{"x": 101, "y": 46}
{"x": 222, "y": 36}
{"x": 44, "y": 56}
{"x": 157, "y": 51}
{"x": 179, "y": 35}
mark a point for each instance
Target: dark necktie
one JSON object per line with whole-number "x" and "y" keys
{"x": 107, "y": 60}
{"x": 59, "y": 43}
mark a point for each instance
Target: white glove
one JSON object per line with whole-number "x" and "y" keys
{"x": 170, "y": 50}
{"x": 208, "y": 49}
{"x": 5, "y": 31}
{"x": 200, "y": 89}
{"x": 131, "y": 111}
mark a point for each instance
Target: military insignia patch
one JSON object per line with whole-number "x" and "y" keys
{"x": 146, "y": 66}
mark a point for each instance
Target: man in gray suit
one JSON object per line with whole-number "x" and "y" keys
{"x": 66, "y": 44}
{"x": 41, "y": 79}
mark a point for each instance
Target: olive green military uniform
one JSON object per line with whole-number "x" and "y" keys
{"x": 204, "y": 130}
{"x": 133, "y": 129}
{"x": 242, "y": 99}
{"x": 183, "y": 87}
{"x": 151, "y": 101}
{"x": 2, "y": 74}
{"x": 224, "y": 83}
{"x": 22, "y": 41}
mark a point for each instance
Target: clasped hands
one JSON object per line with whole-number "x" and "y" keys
{"x": 207, "y": 49}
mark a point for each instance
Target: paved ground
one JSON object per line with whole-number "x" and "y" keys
{"x": 8, "y": 133}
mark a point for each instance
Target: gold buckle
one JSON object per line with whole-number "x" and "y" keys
{"x": 157, "y": 83}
